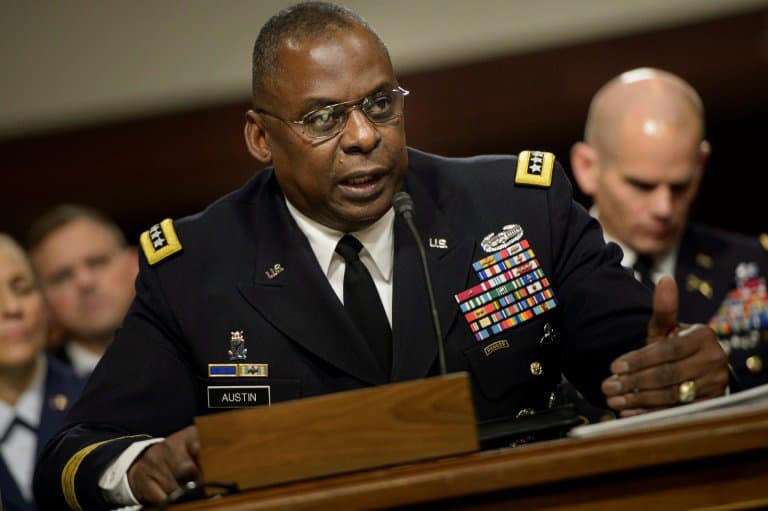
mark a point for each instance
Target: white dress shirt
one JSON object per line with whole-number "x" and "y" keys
{"x": 20, "y": 445}
{"x": 82, "y": 360}
{"x": 663, "y": 263}
{"x": 377, "y": 255}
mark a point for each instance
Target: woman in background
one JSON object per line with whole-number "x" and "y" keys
{"x": 35, "y": 390}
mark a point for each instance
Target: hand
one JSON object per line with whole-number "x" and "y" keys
{"x": 649, "y": 378}
{"x": 162, "y": 467}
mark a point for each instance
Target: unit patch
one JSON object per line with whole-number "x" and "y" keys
{"x": 534, "y": 168}
{"x": 159, "y": 242}
{"x": 513, "y": 289}
{"x": 239, "y": 396}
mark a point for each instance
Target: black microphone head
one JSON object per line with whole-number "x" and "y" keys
{"x": 403, "y": 203}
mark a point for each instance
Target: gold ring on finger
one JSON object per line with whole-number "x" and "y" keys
{"x": 686, "y": 391}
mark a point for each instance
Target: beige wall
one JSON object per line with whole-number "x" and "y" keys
{"x": 67, "y": 62}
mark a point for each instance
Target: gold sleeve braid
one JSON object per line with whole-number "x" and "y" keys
{"x": 70, "y": 470}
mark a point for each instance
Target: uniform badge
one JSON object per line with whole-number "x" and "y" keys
{"x": 438, "y": 243}
{"x": 274, "y": 271}
{"x": 694, "y": 283}
{"x": 704, "y": 260}
{"x": 495, "y": 346}
{"x": 497, "y": 241}
{"x": 534, "y": 168}
{"x": 239, "y": 396}
{"x": 159, "y": 242}
{"x": 744, "y": 308}
{"x": 238, "y": 370}
{"x": 237, "y": 349}
{"x": 513, "y": 289}
{"x": 59, "y": 402}
{"x": 549, "y": 336}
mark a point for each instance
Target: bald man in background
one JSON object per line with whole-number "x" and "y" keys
{"x": 641, "y": 162}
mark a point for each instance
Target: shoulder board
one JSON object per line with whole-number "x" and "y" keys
{"x": 764, "y": 241}
{"x": 534, "y": 168}
{"x": 159, "y": 241}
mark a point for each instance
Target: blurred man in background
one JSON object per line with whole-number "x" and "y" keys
{"x": 642, "y": 161}
{"x": 87, "y": 273}
{"x": 35, "y": 390}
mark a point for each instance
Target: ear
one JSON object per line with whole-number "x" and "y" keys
{"x": 704, "y": 151}
{"x": 584, "y": 163}
{"x": 256, "y": 138}
{"x": 132, "y": 261}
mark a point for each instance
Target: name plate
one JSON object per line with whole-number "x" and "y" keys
{"x": 238, "y": 396}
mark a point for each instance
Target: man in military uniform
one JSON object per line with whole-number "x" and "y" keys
{"x": 255, "y": 291}
{"x": 642, "y": 161}
{"x": 87, "y": 271}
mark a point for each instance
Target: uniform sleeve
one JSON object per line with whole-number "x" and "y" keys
{"x": 605, "y": 311}
{"x": 141, "y": 388}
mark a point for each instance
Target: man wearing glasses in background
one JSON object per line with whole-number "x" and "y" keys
{"x": 305, "y": 282}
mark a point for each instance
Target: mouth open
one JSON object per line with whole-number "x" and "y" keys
{"x": 363, "y": 185}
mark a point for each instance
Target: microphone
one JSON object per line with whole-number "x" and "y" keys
{"x": 403, "y": 205}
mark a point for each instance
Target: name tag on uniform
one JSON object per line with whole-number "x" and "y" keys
{"x": 239, "y": 396}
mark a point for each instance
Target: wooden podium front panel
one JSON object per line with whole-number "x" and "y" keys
{"x": 341, "y": 432}
{"x": 711, "y": 464}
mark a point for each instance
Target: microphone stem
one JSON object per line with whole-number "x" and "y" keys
{"x": 432, "y": 305}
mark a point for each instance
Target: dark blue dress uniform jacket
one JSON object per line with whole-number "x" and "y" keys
{"x": 60, "y": 381}
{"x": 154, "y": 378}
{"x": 711, "y": 256}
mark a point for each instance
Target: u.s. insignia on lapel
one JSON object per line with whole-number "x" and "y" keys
{"x": 513, "y": 289}
{"x": 237, "y": 349}
{"x": 274, "y": 271}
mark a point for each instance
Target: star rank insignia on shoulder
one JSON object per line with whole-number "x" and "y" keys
{"x": 534, "y": 168}
{"x": 159, "y": 242}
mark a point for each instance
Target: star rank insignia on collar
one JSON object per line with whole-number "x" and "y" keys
{"x": 159, "y": 242}
{"x": 534, "y": 168}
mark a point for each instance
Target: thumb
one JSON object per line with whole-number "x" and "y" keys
{"x": 664, "y": 318}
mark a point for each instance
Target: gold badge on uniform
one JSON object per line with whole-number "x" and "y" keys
{"x": 534, "y": 168}
{"x": 237, "y": 349}
{"x": 159, "y": 242}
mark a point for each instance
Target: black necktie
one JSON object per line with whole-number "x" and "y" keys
{"x": 362, "y": 302}
{"x": 643, "y": 267}
{"x": 16, "y": 422}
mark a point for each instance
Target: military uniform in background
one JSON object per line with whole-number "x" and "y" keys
{"x": 525, "y": 287}
{"x": 721, "y": 280}
{"x": 60, "y": 389}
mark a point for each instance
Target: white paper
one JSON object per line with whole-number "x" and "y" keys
{"x": 751, "y": 399}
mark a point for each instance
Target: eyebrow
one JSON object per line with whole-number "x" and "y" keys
{"x": 653, "y": 184}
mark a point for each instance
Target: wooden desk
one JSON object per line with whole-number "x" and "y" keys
{"x": 708, "y": 464}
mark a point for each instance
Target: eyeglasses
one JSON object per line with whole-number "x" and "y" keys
{"x": 330, "y": 120}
